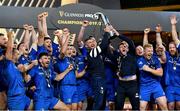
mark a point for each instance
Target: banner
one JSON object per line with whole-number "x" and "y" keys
{"x": 72, "y": 15}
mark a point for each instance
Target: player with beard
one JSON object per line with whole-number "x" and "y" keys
{"x": 12, "y": 80}
{"x": 150, "y": 70}
{"x": 3, "y": 44}
{"x": 160, "y": 52}
{"x": 3, "y": 41}
{"x": 43, "y": 76}
{"x": 173, "y": 69}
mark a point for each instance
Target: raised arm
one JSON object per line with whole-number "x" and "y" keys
{"x": 34, "y": 38}
{"x": 26, "y": 38}
{"x": 124, "y": 38}
{"x": 174, "y": 32}
{"x": 59, "y": 35}
{"x": 81, "y": 32}
{"x": 160, "y": 49}
{"x": 9, "y": 49}
{"x": 130, "y": 42}
{"x": 158, "y": 35}
{"x": 145, "y": 38}
{"x": 44, "y": 24}
{"x": 41, "y": 38}
{"x": 105, "y": 41}
{"x": 40, "y": 30}
{"x": 64, "y": 46}
{"x": 39, "y": 22}
{"x": 115, "y": 31}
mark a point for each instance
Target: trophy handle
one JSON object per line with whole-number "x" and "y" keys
{"x": 105, "y": 20}
{"x": 71, "y": 39}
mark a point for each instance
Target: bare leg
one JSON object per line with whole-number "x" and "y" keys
{"x": 143, "y": 105}
{"x": 162, "y": 102}
{"x": 3, "y": 100}
{"x": 60, "y": 105}
{"x": 178, "y": 105}
{"x": 74, "y": 106}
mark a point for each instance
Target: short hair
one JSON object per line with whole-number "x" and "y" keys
{"x": 19, "y": 45}
{"x": 1, "y": 34}
{"x": 42, "y": 54}
{"x": 123, "y": 43}
{"x": 46, "y": 38}
{"x": 173, "y": 43}
{"x": 148, "y": 46}
{"x": 90, "y": 37}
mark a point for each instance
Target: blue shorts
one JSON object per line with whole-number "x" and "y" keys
{"x": 45, "y": 104}
{"x": 84, "y": 91}
{"x": 69, "y": 94}
{"x": 89, "y": 92}
{"x": 18, "y": 102}
{"x": 173, "y": 94}
{"x": 155, "y": 90}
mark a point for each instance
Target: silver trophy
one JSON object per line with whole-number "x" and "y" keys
{"x": 105, "y": 20}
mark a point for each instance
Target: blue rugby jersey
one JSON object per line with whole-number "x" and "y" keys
{"x": 60, "y": 66}
{"x": 172, "y": 69}
{"x": 147, "y": 77}
{"x": 42, "y": 78}
{"x": 11, "y": 78}
{"x": 27, "y": 60}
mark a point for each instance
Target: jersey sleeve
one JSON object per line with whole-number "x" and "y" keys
{"x": 32, "y": 72}
{"x": 56, "y": 67}
{"x": 22, "y": 60}
{"x": 33, "y": 54}
{"x": 157, "y": 63}
{"x": 140, "y": 63}
{"x": 178, "y": 47}
{"x": 83, "y": 51}
{"x": 56, "y": 51}
{"x": 53, "y": 75}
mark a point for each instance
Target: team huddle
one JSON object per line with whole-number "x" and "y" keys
{"x": 46, "y": 75}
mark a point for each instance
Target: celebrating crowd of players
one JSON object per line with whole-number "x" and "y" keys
{"x": 44, "y": 75}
